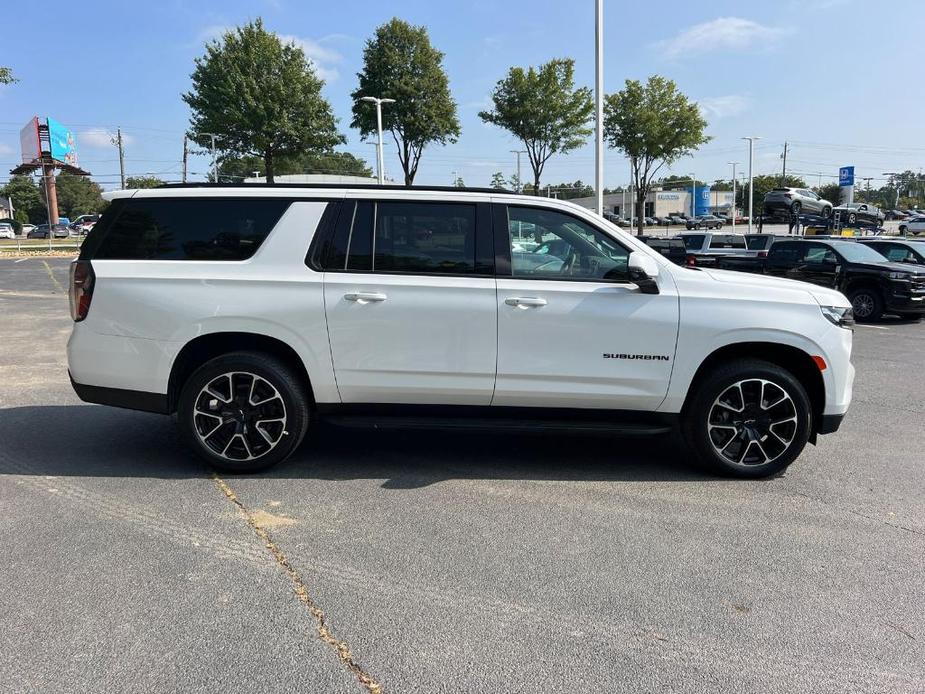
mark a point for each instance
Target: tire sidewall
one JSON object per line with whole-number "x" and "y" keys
{"x": 877, "y": 310}
{"x": 696, "y": 416}
{"x": 274, "y": 372}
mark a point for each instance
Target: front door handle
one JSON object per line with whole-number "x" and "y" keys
{"x": 365, "y": 297}
{"x": 525, "y": 301}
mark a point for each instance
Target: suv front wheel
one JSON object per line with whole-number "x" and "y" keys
{"x": 243, "y": 411}
{"x": 749, "y": 418}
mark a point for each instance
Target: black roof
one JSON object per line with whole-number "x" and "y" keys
{"x": 337, "y": 186}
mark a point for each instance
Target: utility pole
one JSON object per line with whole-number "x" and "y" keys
{"x": 751, "y": 179}
{"x": 117, "y": 141}
{"x": 599, "y": 108}
{"x": 783, "y": 176}
{"x": 185, "y": 157}
{"x": 734, "y": 163}
{"x": 868, "y": 179}
{"x": 520, "y": 183}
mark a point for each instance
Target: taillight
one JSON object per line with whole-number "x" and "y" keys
{"x": 788, "y": 195}
{"x": 762, "y": 254}
{"x": 81, "y": 289}
{"x": 691, "y": 261}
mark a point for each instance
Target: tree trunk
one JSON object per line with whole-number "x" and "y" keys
{"x": 536, "y": 182}
{"x": 268, "y": 165}
{"x": 640, "y": 210}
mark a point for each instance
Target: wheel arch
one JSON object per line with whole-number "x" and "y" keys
{"x": 793, "y": 359}
{"x": 201, "y": 349}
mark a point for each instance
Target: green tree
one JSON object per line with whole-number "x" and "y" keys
{"x": 26, "y": 199}
{"x": 653, "y": 125}
{"x": 234, "y": 168}
{"x": 6, "y": 76}
{"x": 78, "y": 195}
{"x": 569, "y": 191}
{"x": 400, "y": 63}
{"x": 143, "y": 182}
{"x": 498, "y": 181}
{"x": 260, "y": 96}
{"x": 830, "y": 191}
{"x": 459, "y": 182}
{"x": 543, "y": 109}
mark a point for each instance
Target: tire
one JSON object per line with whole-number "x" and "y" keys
{"x": 796, "y": 208}
{"x": 852, "y": 218}
{"x": 826, "y": 212}
{"x": 866, "y": 303}
{"x": 756, "y": 444}
{"x": 261, "y": 423}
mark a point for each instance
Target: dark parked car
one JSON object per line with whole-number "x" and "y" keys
{"x": 898, "y": 250}
{"x": 673, "y": 249}
{"x": 873, "y": 284}
{"x": 705, "y": 221}
{"x": 787, "y": 201}
{"x": 59, "y": 231}
{"x": 860, "y": 212}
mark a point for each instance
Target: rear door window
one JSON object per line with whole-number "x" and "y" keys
{"x": 189, "y": 228}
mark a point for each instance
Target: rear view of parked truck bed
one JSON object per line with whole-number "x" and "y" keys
{"x": 253, "y": 312}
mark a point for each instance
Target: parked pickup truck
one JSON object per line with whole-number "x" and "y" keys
{"x": 873, "y": 284}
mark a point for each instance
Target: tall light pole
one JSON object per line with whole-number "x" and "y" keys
{"x": 379, "y": 161}
{"x": 693, "y": 195}
{"x": 751, "y": 179}
{"x": 599, "y": 107}
{"x": 520, "y": 183}
{"x": 734, "y": 164}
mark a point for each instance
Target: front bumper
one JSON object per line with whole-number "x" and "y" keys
{"x": 829, "y": 423}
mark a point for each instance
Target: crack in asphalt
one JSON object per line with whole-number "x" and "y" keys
{"x": 325, "y": 633}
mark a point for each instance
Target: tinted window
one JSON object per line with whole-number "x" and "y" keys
{"x": 818, "y": 254}
{"x": 760, "y": 242}
{"x": 784, "y": 252}
{"x": 424, "y": 237}
{"x": 727, "y": 241}
{"x": 567, "y": 248}
{"x": 190, "y": 229}
{"x": 693, "y": 242}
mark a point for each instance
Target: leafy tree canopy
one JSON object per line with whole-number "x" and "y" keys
{"x": 27, "y": 199}
{"x": 6, "y": 76}
{"x": 542, "y": 108}
{"x": 654, "y": 125}
{"x": 143, "y": 182}
{"x": 260, "y": 96}
{"x": 400, "y": 63}
{"x": 78, "y": 195}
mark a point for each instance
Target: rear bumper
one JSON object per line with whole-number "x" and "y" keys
{"x": 118, "y": 397}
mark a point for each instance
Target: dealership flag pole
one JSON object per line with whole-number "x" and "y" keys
{"x": 599, "y": 108}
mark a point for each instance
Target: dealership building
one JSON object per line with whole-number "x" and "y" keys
{"x": 661, "y": 203}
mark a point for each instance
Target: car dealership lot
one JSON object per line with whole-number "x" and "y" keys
{"x": 447, "y": 561}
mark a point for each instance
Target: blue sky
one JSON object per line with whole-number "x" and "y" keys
{"x": 817, "y": 73}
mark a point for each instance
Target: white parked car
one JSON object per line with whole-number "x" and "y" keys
{"x": 252, "y": 312}
{"x": 912, "y": 225}
{"x": 7, "y": 231}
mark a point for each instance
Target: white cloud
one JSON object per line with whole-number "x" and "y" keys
{"x": 101, "y": 137}
{"x": 723, "y": 33}
{"x": 322, "y": 59}
{"x": 724, "y": 106}
{"x": 5, "y": 150}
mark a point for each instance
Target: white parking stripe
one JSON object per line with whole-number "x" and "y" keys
{"x": 875, "y": 327}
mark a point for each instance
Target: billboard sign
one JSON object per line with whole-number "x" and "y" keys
{"x": 30, "y": 146}
{"x": 63, "y": 143}
{"x": 846, "y": 176}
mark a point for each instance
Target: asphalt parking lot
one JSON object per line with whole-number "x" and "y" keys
{"x": 449, "y": 562}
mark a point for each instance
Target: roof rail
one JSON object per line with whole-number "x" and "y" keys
{"x": 329, "y": 186}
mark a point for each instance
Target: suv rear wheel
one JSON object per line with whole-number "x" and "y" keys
{"x": 749, "y": 418}
{"x": 243, "y": 411}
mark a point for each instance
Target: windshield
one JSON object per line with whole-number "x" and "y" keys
{"x": 858, "y": 253}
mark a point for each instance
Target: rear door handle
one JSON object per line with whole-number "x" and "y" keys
{"x": 525, "y": 301}
{"x": 364, "y": 297}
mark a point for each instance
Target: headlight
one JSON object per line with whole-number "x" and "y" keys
{"x": 840, "y": 316}
{"x": 901, "y": 276}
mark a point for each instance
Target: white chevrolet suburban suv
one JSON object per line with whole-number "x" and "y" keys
{"x": 253, "y": 311}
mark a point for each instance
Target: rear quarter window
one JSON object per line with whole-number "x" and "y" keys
{"x": 187, "y": 228}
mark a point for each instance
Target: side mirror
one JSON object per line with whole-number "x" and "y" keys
{"x": 643, "y": 271}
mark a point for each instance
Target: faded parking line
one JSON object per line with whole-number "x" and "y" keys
{"x": 52, "y": 275}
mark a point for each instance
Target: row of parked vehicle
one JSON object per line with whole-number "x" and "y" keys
{"x": 878, "y": 274}
{"x": 63, "y": 229}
